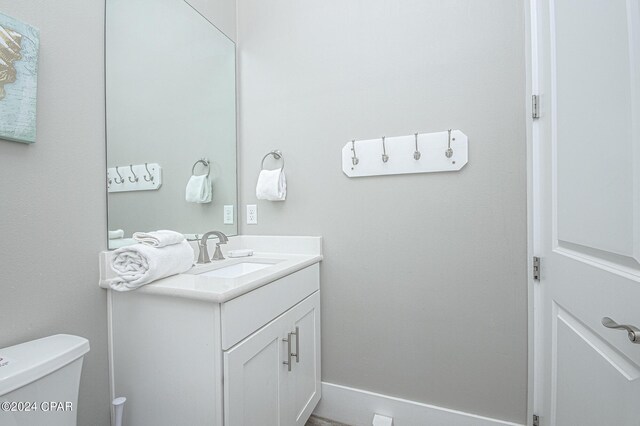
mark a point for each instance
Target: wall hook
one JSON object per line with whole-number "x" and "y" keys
{"x": 385, "y": 157}
{"x": 135, "y": 178}
{"x": 150, "y": 178}
{"x": 354, "y": 159}
{"x": 416, "y": 154}
{"x": 120, "y": 176}
{"x": 449, "y": 151}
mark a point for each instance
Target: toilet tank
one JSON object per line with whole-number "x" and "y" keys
{"x": 39, "y": 381}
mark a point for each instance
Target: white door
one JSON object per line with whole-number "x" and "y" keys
{"x": 255, "y": 379}
{"x": 304, "y": 382}
{"x": 586, "y": 69}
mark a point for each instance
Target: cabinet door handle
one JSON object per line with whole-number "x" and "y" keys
{"x": 297, "y": 354}
{"x": 288, "y": 361}
{"x": 632, "y": 332}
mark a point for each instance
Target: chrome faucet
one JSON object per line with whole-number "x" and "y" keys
{"x": 203, "y": 255}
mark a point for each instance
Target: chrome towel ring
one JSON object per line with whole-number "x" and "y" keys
{"x": 205, "y": 162}
{"x": 277, "y": 154}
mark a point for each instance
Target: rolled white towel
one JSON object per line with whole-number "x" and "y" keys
{"x": 141, "y": 264}
{"x": 117, "y": 234}
{"x": 272, "y": 185}
{"x": 159, "y": 239}
{"x": 199, "y": 190}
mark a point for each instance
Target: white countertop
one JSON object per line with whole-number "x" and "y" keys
{"x": 306, "y": 252}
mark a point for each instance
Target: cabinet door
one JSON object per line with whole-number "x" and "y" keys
{"x": 304, "y": 380}
{"x": 255, "y": 382}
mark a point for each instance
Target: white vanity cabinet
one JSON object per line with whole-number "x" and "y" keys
{"x": 273, "y": 376}
{"x": 195, "y": 361}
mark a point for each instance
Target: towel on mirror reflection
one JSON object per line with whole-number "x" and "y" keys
{"x": 121, "y": 242}
{"x": 117, "y": 234}
{"x": 199, "y": 190}
{"x": 159, "y": 239}
{"x": 141, "y": 264}
{"x": 272, "y": 185}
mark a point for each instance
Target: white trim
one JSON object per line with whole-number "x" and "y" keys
{"x": 112, "y": 381}
{"x": 357, "y": 407}
{"x": 535, "y": 398}
{"x": 553, "y": 124}
{"x": 531, "y": 71}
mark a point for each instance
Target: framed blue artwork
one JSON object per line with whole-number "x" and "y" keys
{"x": 19, "y": 43}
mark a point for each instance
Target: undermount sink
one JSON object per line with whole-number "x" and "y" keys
{"x": 237, "y": 270}
{"x": 233, "y": 268}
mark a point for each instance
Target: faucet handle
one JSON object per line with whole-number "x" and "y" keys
{"x": 203, "y": 253}
{"x": 217, "y": 255}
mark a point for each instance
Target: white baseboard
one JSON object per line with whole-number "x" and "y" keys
{"x": 356, "y": 407}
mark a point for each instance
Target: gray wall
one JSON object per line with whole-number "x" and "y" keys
{"x": 222, "y": 13}
{"x": 424, "y": 279}
{"x": 412, "y": 262}
{"x": 52, "y": 206}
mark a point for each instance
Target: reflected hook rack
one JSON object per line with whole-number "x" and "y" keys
{"x": 151, "y": 172}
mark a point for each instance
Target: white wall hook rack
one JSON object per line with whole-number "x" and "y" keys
{"x": 134, "y": 177}
{"x": 418, "y": 153}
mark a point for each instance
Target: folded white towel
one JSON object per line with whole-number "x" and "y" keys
{"x": 159, "y": 238}
{"x": 114, "y": 235}
{"x": 141, "y": 264}
{"x": 272, "y": 185}
{"x": 199, "y": 189}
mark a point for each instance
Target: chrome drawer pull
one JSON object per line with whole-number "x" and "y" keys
{"x": 297, "y": 354}
{"x": 632, "y": 332}
{"x": 288, "y": 362}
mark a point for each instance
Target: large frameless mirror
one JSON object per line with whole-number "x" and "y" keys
{"x": 171, "y": 121}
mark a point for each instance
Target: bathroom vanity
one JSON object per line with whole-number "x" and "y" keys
{"x": 234, "y": 342}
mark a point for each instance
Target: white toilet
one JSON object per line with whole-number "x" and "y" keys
{"x": 39, "y": 381}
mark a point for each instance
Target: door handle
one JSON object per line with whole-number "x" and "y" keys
{"x": 632, "y": 332}
{"x": 297, "y": 354}
{"x": 288, "y": 361}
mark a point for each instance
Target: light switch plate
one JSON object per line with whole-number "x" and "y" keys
{"x": 228, "y": 215}
{"x": 252, "y": 214}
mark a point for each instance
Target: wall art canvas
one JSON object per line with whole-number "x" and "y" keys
{"x": 19, "y": 44}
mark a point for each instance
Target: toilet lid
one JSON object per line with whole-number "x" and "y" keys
{"x": 27, "y": 362}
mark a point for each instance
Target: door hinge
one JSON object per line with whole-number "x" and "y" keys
{"x": 535, "y": 106}
{"x": 536, "y": 268}
{"x": 536, "y": 420}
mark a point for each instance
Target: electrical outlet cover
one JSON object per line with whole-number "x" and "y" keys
{"x": 252, "y": 214}
{"x": 228, "y": 215}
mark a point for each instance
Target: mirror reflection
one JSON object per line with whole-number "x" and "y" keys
{"x": 171, "y": 121}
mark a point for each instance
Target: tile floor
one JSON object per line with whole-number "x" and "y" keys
{"x": 319, "y": 421}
